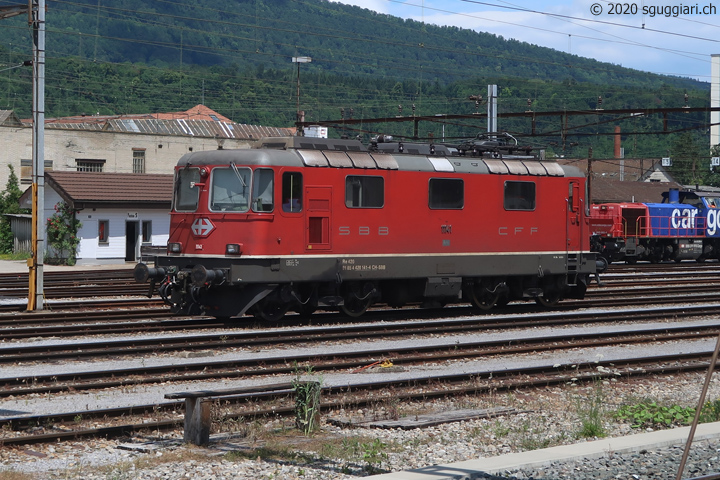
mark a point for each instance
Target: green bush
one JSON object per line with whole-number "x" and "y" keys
{"x": 651, "y": 414}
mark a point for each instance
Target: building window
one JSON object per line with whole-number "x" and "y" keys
{"x": 446, "y": 193}
{"x": 89, "y": 164}
{"x": 103, "y": 231}
{"x": 364, "y": 192}
{"x": 138, "y": 160}
{"x": 26, "y": 169}
{"x": 147, "y": 231}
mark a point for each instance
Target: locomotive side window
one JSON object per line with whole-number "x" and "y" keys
{"x": 186, "y": 192}
{"x": 364, "y": 192}
{"x": 574, "y": 196}
{"x": 446, "y": 193}
{"x": 263, "y": 187}
{"x": 230, "y": 189}
{"x": 292, "y": 191}
{"x": 519, "y": 196}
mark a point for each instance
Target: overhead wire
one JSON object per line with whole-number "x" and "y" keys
{"x": 200, "y": 48}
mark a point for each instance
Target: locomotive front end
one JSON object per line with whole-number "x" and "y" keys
{"x": 221, "y": 222}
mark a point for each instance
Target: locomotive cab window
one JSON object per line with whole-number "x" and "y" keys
{"x": 446, "y": 193}
{"x": 364, "y": 192}
{"x": 519, "y": 196}
{"x": 230, "y": 189}
{"x": 263, "y": 187}
{"x": 187, "y": 192}
{"x": 292, "y": 192}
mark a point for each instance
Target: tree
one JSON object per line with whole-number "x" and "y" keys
{"x": 688, "y": 160}
{"x": 9, "y": 204}
{"x": 62, "y": 237}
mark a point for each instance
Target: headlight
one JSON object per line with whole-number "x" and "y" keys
{"x": 233, "y": 249}
{"x": 174, "y": 247}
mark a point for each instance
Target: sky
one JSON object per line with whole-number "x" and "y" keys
{"x": 658, "y": 36}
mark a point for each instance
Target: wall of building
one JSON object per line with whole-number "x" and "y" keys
{"x": 91, "y": 250}
{"x": 64, "y": 147}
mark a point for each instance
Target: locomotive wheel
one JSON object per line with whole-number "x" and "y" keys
{"x": 357, "y": 299}
{"x": 481, "y": 297}
{"x": 548, "y": 300}
{"x": 270, "y": 311}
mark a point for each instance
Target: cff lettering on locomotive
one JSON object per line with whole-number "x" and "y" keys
{"x": 299, "y": 224}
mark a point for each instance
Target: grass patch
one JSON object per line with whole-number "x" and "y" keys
{"x": 591, "y": 411}
{"x": 15, "y": 475}
{"x": 15, "y": 256}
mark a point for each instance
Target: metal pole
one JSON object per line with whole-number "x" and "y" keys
{"x": 298, "y": 120}
{"x": 492, "y": 109}
{"x": 35, "y": 264}
{"x": 297, "y": 114}
{"x": 701, "y": 402}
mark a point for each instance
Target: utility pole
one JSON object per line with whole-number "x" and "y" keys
{"x": 492, "y": 108}
{"x": 35, "y": 263}
{"x": 300, "y": 117}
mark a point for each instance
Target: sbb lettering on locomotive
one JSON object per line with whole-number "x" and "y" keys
{"x": 363, "y": 230}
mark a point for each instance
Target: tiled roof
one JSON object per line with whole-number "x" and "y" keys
{"x": 9, "y": 119}
{"x": 606, "y": 190}
{"x": 198, "y": 112}
{"x": 112, "y": 188}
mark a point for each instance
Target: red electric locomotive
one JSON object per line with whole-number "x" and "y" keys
{"x": 304, "y": 223}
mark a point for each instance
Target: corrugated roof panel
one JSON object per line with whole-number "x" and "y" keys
{"x": 516, "y": 167}
{"x": 536, "y": 168}
{"x": 362, "y": 160}
{"x": 201, "y": 128}
{"x": 313, "y": 158}
{"x": 338, "y": 159}
{"x": 553, "y": 169}
{"x": 496, "y": 166}
{"x": 441, "y": 164}
{"x": 384, "y": 161}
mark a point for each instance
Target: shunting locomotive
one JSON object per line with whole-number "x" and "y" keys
{"x": 300, "y": 223}
{"x": 684, "y": 226}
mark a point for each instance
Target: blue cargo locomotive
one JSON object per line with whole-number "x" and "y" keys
{"x": 685, "y": 226}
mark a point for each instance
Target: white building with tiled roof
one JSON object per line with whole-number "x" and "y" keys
{"x": 120, "y": 213}
{"x": 142, "y": 143}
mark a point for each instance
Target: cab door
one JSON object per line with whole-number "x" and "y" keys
{"x": 574, "y": 217}
{"x": 317, "y": 232}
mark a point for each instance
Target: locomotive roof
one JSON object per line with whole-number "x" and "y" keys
{"x": 341, "y": 153}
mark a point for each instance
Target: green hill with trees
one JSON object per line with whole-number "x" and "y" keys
{"x": 132, "y": 56}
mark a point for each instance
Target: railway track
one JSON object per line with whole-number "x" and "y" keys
{"x": 132, "y": 419}
{"x": 75, "y": 284}
{"x": 122, "y": 420}
{"x": 340, "y": 359}
{"x": 102, "y": 317}
{"x": 380, "y": 329}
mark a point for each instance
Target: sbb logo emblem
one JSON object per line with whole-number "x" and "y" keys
{"x": 202, "y": 227}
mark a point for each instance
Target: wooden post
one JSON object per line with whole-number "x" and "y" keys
{"x": 197, "y": 421}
